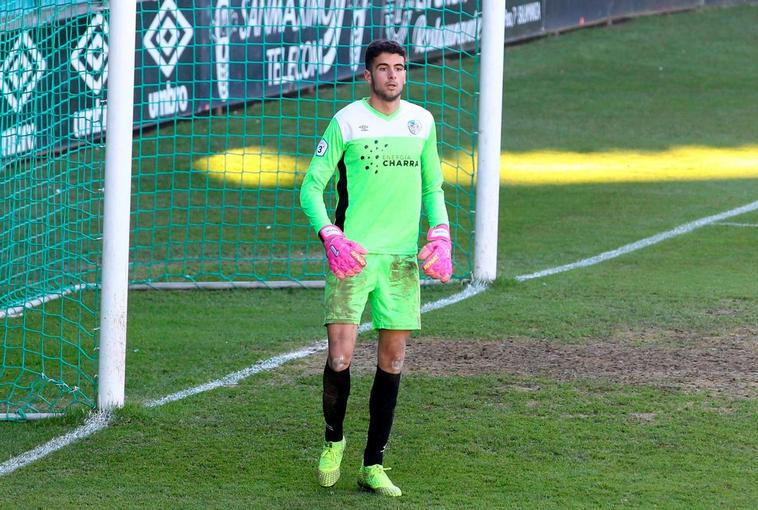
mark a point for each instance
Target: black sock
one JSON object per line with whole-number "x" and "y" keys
{"x": 382, "y": 411}
{"x": 336, "y": 391}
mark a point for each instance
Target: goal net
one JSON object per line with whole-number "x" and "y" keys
{"x": 227, "y": 143}
{"x": 230, "y": 100}
{"x": 50, "y": 206}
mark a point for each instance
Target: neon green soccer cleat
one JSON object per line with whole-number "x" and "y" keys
{"x": 329, "y": 463}
{"x": 373, "y": 478}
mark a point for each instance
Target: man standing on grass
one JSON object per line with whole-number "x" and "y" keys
{"x": 384, "y": 152}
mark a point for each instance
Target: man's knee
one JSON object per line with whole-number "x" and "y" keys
{"x": 341, "y": 344}
{"x": 339, "y": 362}
{"x": 391, "y": 362}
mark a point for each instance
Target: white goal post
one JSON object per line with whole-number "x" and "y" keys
{"x": 491, "y": 65}
{"x": 115, "y": 281}
{"x": 117, "y": 206}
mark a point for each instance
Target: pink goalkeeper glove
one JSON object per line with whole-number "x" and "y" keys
{"x": 437, "y": 254}
{"x": 345, "y": 256}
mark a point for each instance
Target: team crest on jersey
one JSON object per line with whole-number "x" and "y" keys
{"x": 414, "y": 127}
{"x": 363, "y": 127}
{"x": 321, "y": 147}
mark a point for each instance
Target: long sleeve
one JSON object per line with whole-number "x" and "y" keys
{"x": 432, "y": 196}
{"x": 322, "y": 167}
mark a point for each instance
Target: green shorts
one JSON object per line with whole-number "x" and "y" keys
{"x": 390, "y": 283}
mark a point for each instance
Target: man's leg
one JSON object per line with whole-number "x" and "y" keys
{"x": 390, "y": 357}
{"x": 342, "y": 339}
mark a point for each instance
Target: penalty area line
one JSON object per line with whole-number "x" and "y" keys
{"x": 735, "y": 224}
{"x": 95, "y": 422}
{"x": 99, "y": 420}
{"x": 270, "y": 364}
{"x": 642, "y": 243}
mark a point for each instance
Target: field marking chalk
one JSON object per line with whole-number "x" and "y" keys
{"x": 95, "y": 422}
{"x": 320, "y": 346}
{"x": 99, "y": 420}
{"x": 643, "y": 243}
{"x": 733, "y": 224}
{"x": 18, "y": 311}
{"x": 235, "y": 377}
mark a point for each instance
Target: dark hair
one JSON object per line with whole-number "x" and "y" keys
{"x": 382, "y": 46}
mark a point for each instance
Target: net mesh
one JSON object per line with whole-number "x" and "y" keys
{"x": 216, "y": 195}
{"x": 231, "y": 98}
{"x": 50, "y": 212}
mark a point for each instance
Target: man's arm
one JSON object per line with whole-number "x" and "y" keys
{"x": 432, "y": 196}
{"x": 323, "y": 165}
{"x": 436, "y": 255}
{"x": 345, "y": 257}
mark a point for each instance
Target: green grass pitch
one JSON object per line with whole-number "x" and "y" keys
{"x": 628, "y": 384}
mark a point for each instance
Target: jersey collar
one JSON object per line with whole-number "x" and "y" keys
{"x": 380, "y": 114}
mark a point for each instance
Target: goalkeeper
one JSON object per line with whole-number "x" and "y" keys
{"x": 383, "y": 151}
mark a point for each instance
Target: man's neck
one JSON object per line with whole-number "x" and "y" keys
{"x": 385, "y": 107}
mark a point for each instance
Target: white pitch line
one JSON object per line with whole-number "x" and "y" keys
{"x": 235, "y": 377}
{"x": 733, "y": 224}
{"x": 643, "y": 243}
{"x": 17, "y": 311}
{"x": 98, "y": 421}
{"x": 271, "y": 363}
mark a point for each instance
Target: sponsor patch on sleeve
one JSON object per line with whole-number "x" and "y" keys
{"x": 321, "y": 147}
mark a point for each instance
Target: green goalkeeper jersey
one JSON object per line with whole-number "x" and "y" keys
{"x": 387, "y": 166}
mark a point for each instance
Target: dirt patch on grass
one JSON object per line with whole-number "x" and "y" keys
{"x": 725, "y": 365}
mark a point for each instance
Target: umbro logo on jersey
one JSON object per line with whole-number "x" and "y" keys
{"x": 414, "y": 127}
{"x": 363, "y": 127}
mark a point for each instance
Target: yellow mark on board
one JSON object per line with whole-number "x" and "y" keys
{"x": 252, "y": 167}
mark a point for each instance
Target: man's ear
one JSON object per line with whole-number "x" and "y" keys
{"x": 367, "y": 75}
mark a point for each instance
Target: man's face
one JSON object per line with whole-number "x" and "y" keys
{"x": 386, "y": 76}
